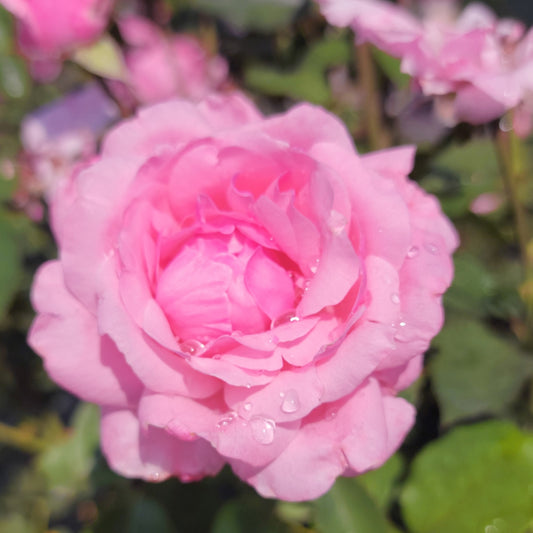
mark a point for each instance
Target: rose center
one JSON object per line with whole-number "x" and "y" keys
{"x": 216, "y": 284}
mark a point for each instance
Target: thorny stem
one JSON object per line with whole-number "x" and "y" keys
{"x": 378, "y": 136}
{"x": 21, "y": 439}
{"x": 510, "y": 151}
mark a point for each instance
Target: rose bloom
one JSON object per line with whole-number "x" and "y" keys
{"x": 245, "y": 290}
{"x": 160, "y": 67}
{"x": 48, "y": 30}
{"x": 472, "y": 55}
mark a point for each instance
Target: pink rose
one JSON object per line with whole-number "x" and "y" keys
{"x": 472, "y": 54}
{"x": 246, "y": 290}
{"x": 51, "y": 29}
{"x": 161, "y": 67}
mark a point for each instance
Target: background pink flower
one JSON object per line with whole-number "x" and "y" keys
{"x": 162, "y": 66}
{"x": 49, "y": 30}
{"x": 470, "y": 54}
{"x": 243, "y": 290}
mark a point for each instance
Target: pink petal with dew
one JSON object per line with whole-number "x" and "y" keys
{"x": 382, "y": 215}
{"x": 326, "y": 289}
{"x": 218, "y": 367}
{"x": 290, "y": 396}
{"x": 372, "y": 338}
{"x": 158, "y": 368}
{"x": 183, "y": 417}
{"x": 339, "y": 432}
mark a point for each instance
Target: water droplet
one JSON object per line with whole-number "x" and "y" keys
{"x": 291, "y": 402}
{"x": 413, "y": 252}
{"x": 395, "y": 298}
{"x": 285, "y": 318}
{"x": 226, "y": 421}
{"x": 248, "y": 385}
{"x": 331, "y": 415}
{"x": 431, "y": 248}
{"x": 506, "y": 123}
{"x": 337, "y": 222}
{"x": 155, "y": 476}
{"x": 262, "y": 429}
{"x": 192, "y": 347}
{"x": 403, "y": 324}
{"x": 314, "y": 266}
{"x": 247, "y": 406}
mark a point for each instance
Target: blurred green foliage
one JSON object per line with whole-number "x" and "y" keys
{"x": 455, "y": 473}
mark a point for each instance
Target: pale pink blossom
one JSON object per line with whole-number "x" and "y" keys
{"x": 59, "y": 136}
{"x": 162, "y": 66}
{"x": 50, "y": 30}
{"x": 471, "y": 54}
{"x": 244, "y": 290}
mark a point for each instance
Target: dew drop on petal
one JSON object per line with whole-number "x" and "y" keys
{"x": 413, "y": 252}
{"x": 192, "y": 347}
{"x": 262, "y": 429}
{"x": 395, "y": 298}
{"x": 431, "y": 248}
{"x": 285, "y": 318}
{"x": 291, "y": 402}
{"x": 225, "y": 421}
{"x": 248, "y": 385}
{"x": 337, "y": 222}
{"x": 403, "y": 324}
{"x": 314, "y": 266}
{"x": 247, "y": 406}
{"x": 155, "y": 476}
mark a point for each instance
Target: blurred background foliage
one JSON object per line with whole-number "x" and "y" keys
{"x": 467, "y": 465}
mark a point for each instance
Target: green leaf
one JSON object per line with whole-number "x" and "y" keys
{"x": 6, "y": 31}
{"x": 461, "y": 173}
{"x": 347, "y": 508}
{"x": 476, "y": 371}
{"x": 148, "y": 515}
{"x": 67, "y": 464}
{"x": 472, "y": 286}
{"x": 103, "y": 58}
{"x": 391, "y": 67}
{"x": 308, "y": 80}
{"x": 379, "y": 483}
{"x": 10, "y": 264}
{"x": 259, "y": 15}
{"x": 475, "y": 479}
{"x": 245, "y": 515}
{"x": 14, "y": 78}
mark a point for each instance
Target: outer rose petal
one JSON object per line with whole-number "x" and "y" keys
{"x": 74, "y": 353}
{"x": 344, "y": 438}
{"x": 152, "y": 453}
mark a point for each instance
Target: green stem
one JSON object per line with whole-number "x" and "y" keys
{"x": 21, "y": 439}
{"x": 512, "y": 162}
{"x": 377, "y": 134}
